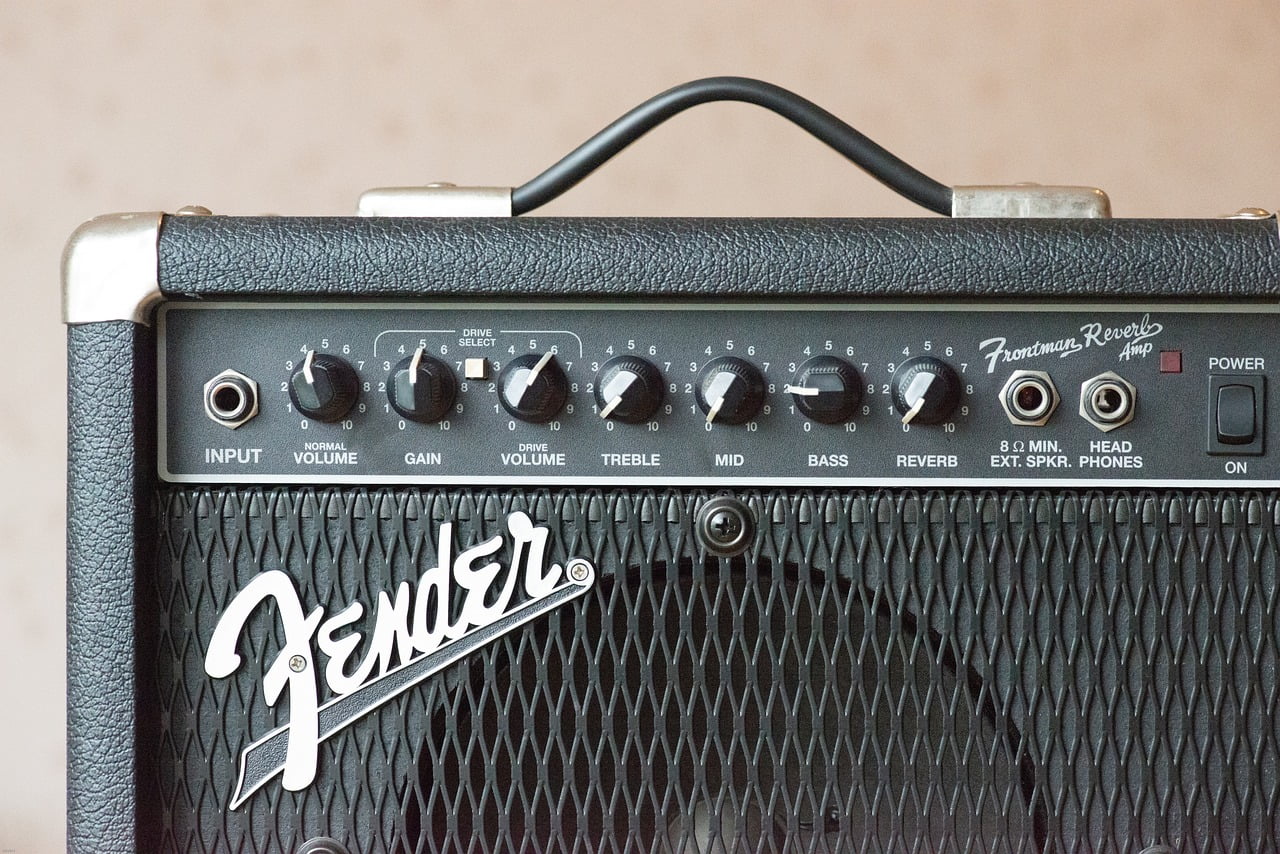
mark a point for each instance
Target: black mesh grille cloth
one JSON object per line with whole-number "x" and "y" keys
{"x": 882, "y": 671}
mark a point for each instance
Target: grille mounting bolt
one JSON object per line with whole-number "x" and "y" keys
{"x": 725, "y": 526}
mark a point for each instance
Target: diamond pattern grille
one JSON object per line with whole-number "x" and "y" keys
{"x": 883, "y": 671}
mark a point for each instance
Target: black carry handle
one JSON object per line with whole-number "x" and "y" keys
{"x": 887, "y": 168}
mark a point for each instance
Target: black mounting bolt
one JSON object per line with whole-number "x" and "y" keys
{"x": 725, "y": 526}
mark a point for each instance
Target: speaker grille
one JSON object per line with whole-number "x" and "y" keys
{"x": 883, "y": 671}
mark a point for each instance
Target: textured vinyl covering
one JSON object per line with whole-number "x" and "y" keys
{"x": 882, "y": 671}
{"x": 898, "y": 258}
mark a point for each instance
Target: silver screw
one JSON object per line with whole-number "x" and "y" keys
{"x": 297, "y": 664}
{"x": 579, "y": 569}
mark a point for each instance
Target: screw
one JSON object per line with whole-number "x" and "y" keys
{"x": 725, "y": 526}
{"x": 579, "y": 569}
{"x": 297, "y": 664}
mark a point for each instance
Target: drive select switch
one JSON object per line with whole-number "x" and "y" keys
{"x": 1236, "y": 414}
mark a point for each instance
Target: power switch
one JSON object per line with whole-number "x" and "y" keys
{"x": 1236, "y": 415}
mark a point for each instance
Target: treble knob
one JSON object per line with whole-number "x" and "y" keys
{"x": 628, "y": 389}
{"x": 324, "y": 387}
{"x": 826, "y": 389}
{"x": 729, "y": 390}
{"x": 533, "y": 388}
{"x": 421, "y": 387}
{"x": 926, "y": 390}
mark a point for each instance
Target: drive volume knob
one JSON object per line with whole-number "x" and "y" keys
{"x": 324, "y": 387}
{"x": 421, "y": 388}
{"x": 533, "y": 388}
{"x": 729, "y": 390}
{"x": 628, "y": 389}
{"x": 926, "y": 390}
{"x": 827, "y": 390}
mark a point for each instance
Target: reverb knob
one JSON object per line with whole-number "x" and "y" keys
{"x": 324, "y": 387}
{"x": 628, "y": 389}
{"x": 533, "y": 387}
{"x": 421, "y": 388}
{"x": 926, "y": 390}
{"x": 729, "y": 390}
{"x": 826, "y": 389}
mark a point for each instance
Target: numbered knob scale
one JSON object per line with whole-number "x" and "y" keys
{"x": 421, "y": 388}
{"x": 826, "y": 389}
{"x": 628, "y": 389}
{"x": 324, "y": 387}
{"x": 729, "y": 390}
{"x": 926, "y": 390}
{"x": 533, "y": 388}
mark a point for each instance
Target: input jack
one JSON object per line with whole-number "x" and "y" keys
{"x": 1029, "y": 398}
{"x": 1108, "y": 401}
{"x": 231, "y": 399}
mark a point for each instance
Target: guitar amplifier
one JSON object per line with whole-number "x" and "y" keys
{"x": 394, "y": 534}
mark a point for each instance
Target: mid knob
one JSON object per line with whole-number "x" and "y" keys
{"x": 421, "y": 388}
{"x": 926, "y": 390}
{"x": 729, "y": 390}
{"x": 324, "y": 387}
{"x": 628, "y": 389}
{"x": 533, "y": 388}
{"x": 827, "y": 389}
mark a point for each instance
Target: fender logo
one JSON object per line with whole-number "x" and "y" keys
{"x": 413, "y": 626}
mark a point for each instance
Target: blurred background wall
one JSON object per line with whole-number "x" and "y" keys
{"x": 295, "y": 106}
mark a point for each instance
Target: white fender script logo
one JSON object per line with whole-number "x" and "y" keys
{"x": 413, "y": 625}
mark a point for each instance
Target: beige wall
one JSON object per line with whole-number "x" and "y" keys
{"x": 294, "y": 107}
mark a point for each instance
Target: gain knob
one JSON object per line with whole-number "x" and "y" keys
{"x": 533, "y": 388}
{"x": 926, "y": 390}
{"x": 421, "y": 387}
{"x": 324, "y": 387}
{"x": 826, "y": 389}
{"x": 628, "y": 389}
{"x": 729, "y": 390}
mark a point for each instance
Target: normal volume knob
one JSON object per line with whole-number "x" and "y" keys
{"x": 421, "y": 388}
{"x": 827, "y": 389}
{"x": 729, "y": 390}
{"x": 628, "y": 389}
{"x": 926, "y": 390}
{"x": 324, "y": 387}
{"x": 533, "y": 388}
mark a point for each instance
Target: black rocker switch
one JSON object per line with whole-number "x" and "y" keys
{"x": 1235, "y": 415}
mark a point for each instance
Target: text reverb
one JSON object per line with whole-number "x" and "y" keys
{"x": 1135, "y": 336}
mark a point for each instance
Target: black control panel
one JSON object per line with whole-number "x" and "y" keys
{"x": 795, "y": 394}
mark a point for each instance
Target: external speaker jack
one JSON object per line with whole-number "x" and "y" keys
{"x": 1108, "y": 401}
{"x": 231, "y": 399}
{"x": 1029, "y": 398}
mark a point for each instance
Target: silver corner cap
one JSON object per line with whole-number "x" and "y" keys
{"x": 1028, "y": 201}
{"x": 436, "y": 200}
{"x": 110, "y": 269}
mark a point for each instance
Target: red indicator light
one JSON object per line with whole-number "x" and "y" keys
{"x": 1170, "y": 361}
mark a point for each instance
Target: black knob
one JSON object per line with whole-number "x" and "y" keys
{"x": 421, "y": 388}
{"x": 533, "y": 388}
{"x": 926, "y": 390}
{"x": 628, "y": 389}
{"x": 827, "y": 389}
{"x": 729, "y": 390}
{"x": 324, "y": 387}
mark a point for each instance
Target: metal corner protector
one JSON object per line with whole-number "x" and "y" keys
{"x": 110, "y": 269}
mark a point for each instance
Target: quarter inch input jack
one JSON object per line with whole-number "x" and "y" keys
{"x": 231, "y": 399}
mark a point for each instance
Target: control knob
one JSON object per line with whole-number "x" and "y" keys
{"x": 826, "y": 389}
{"x": 628, "y": 389}
{"x": 421, "y": 387}
{"x": 926, "y": 390}
{"x": 324, "y": 387}
{"x": 533, "y": 388}
{"x": 729, "y": 390}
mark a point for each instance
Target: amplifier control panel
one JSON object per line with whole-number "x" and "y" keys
{"x": 795, "y": 394}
